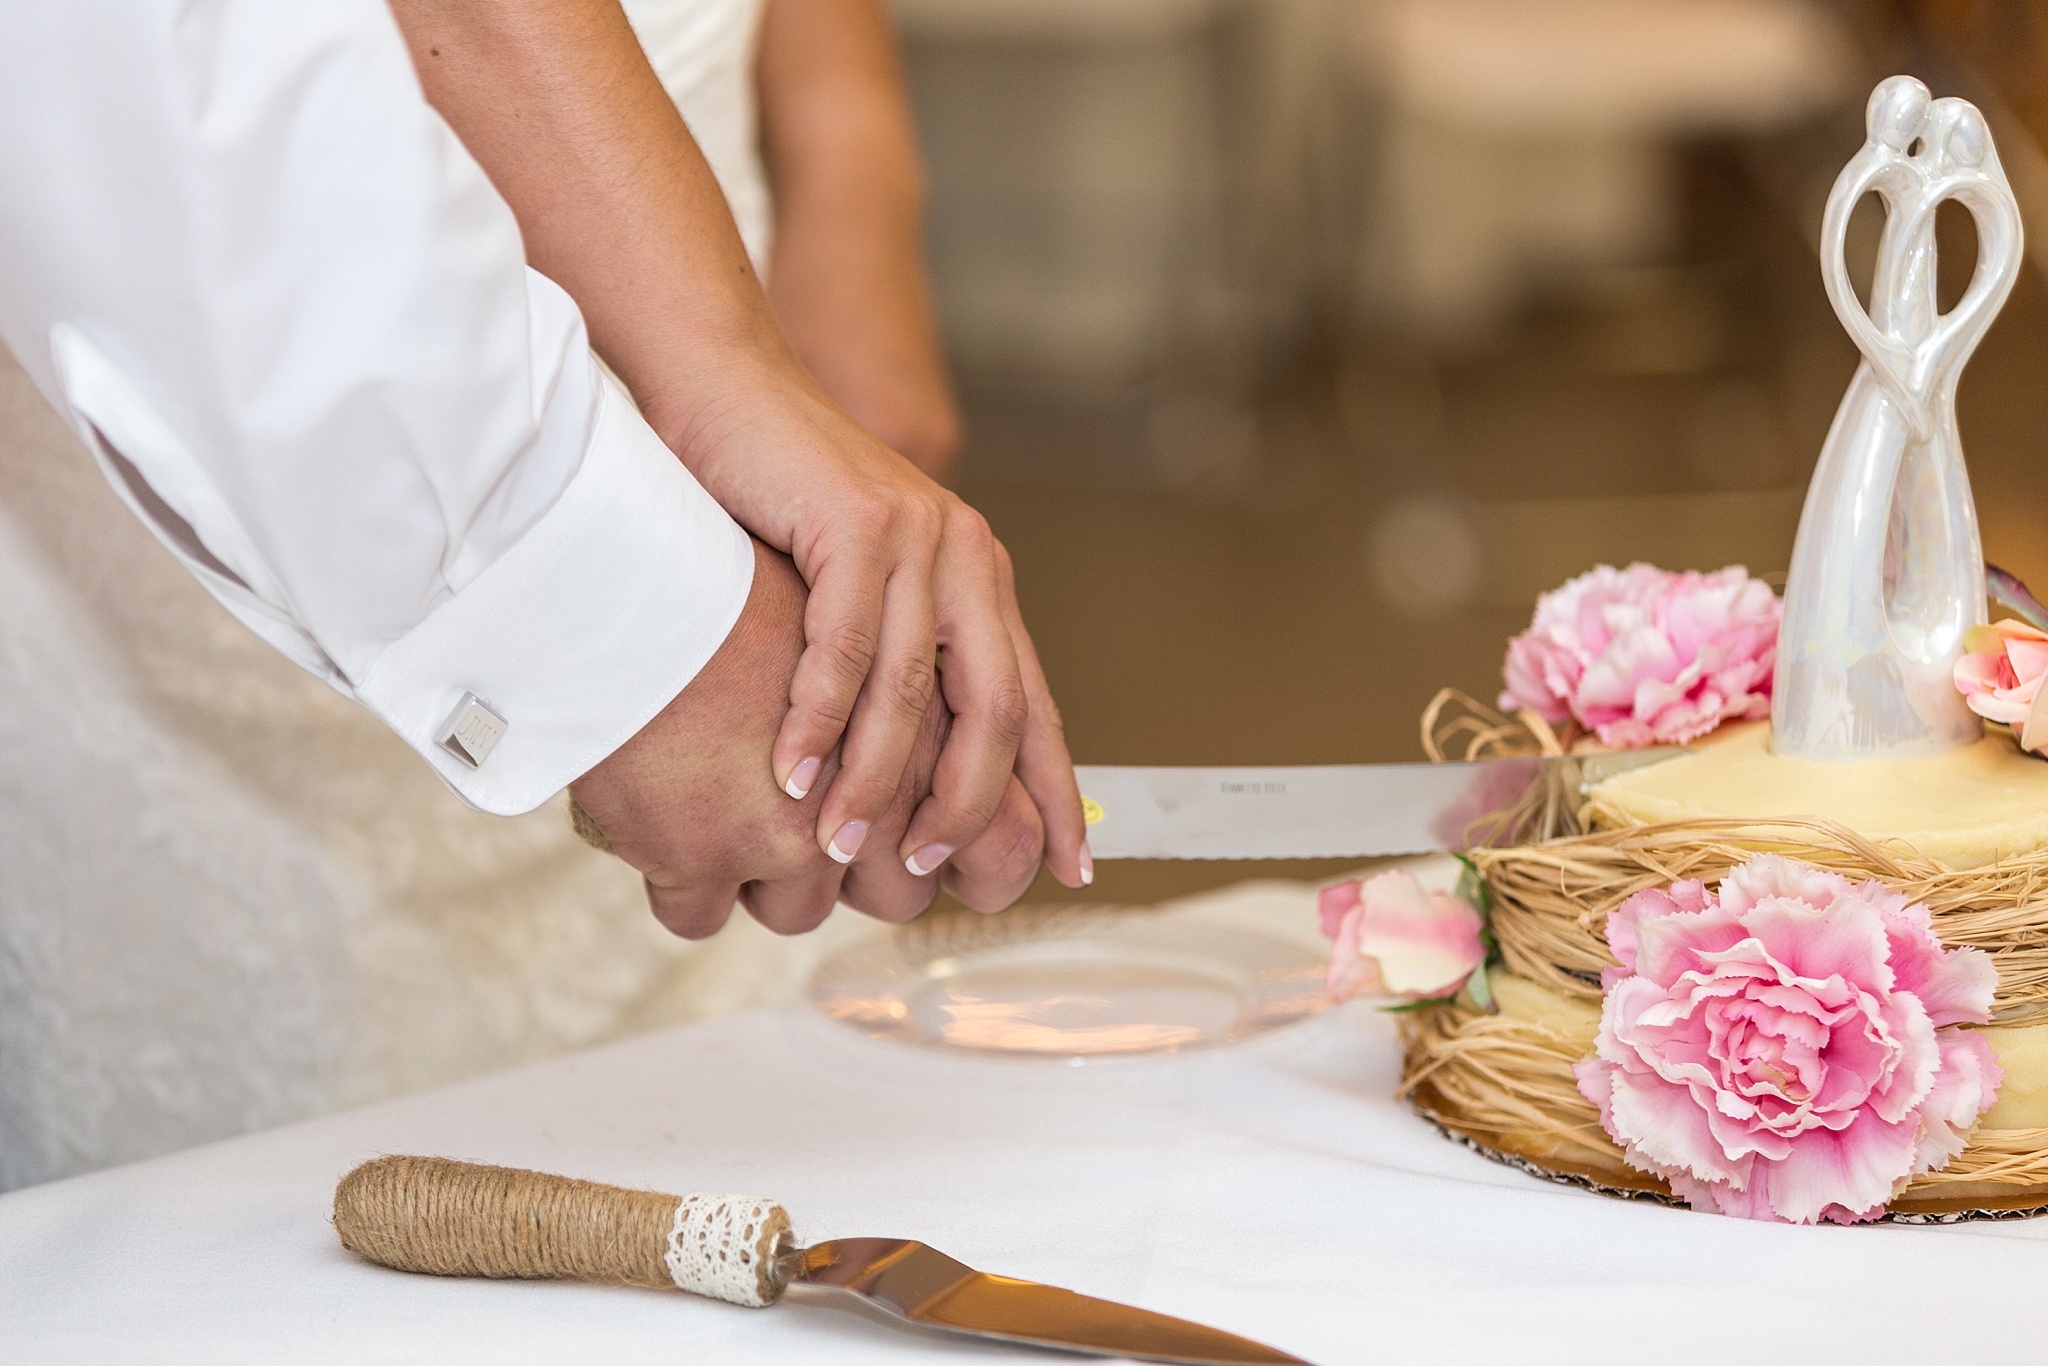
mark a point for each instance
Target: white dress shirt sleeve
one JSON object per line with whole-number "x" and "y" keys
{"x": 294, "y": 321}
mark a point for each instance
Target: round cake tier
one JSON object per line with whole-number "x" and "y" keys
{"x": 1502, "y": 1082}
{"x": 1965, "y": 833}
{"x": 1963, "y": 808}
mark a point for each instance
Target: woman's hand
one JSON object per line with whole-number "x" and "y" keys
{"x": 687, "y": 802}
{"x": 903, "y": 576}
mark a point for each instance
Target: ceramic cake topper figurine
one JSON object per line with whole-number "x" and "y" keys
{"x": 1888, "y": 574}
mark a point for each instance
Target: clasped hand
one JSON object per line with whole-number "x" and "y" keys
{"x": 690, "y": 803}
{"x": 912, "y": 603}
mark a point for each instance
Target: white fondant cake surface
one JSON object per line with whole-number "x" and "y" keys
{"x": 1965, "y": 807}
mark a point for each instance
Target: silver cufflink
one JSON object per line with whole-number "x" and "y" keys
{"x": 471, "y": 731}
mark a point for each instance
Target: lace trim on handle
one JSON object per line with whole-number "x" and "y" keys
{"x": 726, "y": 1246}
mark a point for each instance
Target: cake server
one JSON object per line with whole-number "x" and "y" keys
{"x": 434, "y": 1215}
{"x": 1327, "y": 810}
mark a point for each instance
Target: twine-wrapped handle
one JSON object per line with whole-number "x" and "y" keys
{"x": 447, "y": 1218}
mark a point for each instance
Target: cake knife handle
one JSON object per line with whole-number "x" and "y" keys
{"x": 447, "y": 1218}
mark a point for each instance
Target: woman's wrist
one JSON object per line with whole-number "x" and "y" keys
{"x": 699, "y": 393}
{"x": 850, "y": 292}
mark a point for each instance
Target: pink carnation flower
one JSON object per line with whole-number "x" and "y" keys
{"x": 1788, "y": 1050}
{"x": 1641, "y": 657}
{"x": 2001, "y": 676}
{"x": 1393, "y": 939}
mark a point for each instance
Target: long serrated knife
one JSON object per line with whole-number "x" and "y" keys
{"x": 435, "y": 1215}
{"x": 1323, "y": 811}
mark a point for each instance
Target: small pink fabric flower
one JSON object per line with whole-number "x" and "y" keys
{"x": 1788, "y": 1050}
{"x": 1396, "y": 940}
{"x": 2001, "y": 673}
{"x": 1641, "y": 657}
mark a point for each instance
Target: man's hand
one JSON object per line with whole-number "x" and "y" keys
{"x": 616, "y": 204}
{"x": 689, "y": 803}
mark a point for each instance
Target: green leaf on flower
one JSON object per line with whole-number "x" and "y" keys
{"x": 1481, "y": 990}
{"x": 1426, "y": 1003}
{"x": 1472, "y": 888}
{"x": 1473, "y": 891}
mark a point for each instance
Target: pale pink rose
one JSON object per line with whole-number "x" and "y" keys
{"x": 1394, "y": 940}
{"x": 1640, "y": 656}
{"x": 2001, "y": 674}
{"x": 1789, "y": 1049}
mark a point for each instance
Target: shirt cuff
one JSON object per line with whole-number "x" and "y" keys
{"x": 583, "y": 631}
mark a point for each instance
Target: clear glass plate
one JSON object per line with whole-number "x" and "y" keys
{"x": 1070, "y": 983}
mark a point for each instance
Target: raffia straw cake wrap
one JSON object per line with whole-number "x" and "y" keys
{"x": 1964, "y": 833}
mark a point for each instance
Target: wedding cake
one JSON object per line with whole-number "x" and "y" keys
{"x": 1959, "y": 838}
{"x": 1799, "y": 971}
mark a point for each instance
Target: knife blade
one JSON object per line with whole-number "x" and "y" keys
{"x": 921, "y": 1285}
{"x": 1325, "y": 810}
{"x": 449, "y": 1218}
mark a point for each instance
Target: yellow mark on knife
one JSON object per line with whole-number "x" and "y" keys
{"x": 1091, "y": 811}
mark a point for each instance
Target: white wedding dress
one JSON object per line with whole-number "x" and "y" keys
{"x": 229, "y": 897}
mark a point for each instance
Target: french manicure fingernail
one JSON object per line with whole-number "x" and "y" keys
{"x": 801, "y": 777}
{"x": 846, "y": 843}
{"x": 928, "y": 858}
{"x": 1087, "y": 864}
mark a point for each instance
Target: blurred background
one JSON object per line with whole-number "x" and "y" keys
{"x": 1304, "y": 342}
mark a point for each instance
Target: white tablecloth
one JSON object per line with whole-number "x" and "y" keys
{"x": 1276, "y": 1190}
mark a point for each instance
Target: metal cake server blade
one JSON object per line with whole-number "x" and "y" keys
{"x": 921, "y": 1285}
{"x": 1327, "y": 810}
